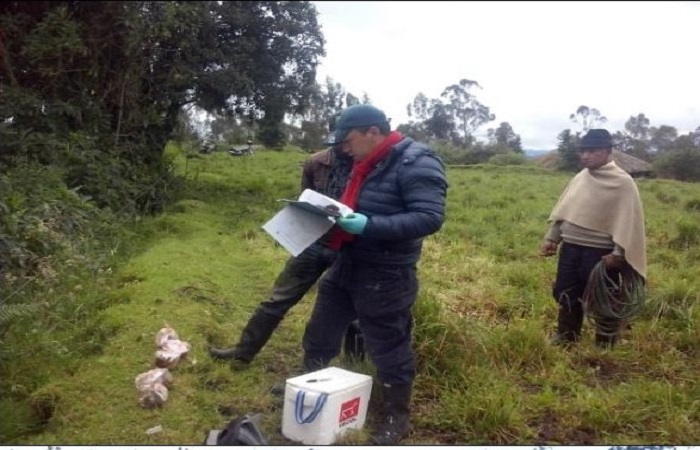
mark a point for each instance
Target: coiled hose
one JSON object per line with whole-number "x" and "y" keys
{"x": 611, "y": 302}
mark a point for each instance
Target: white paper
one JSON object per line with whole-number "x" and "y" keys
{"x": 313, "y": 197}
{"x": 296, "y": 228}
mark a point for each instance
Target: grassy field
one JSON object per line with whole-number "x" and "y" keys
{"x": 487, "y": 374}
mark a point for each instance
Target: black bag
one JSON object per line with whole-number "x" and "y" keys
{"x": 241, "y": 431}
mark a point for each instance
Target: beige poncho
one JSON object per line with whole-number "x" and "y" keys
{"x": 607, "y": 200}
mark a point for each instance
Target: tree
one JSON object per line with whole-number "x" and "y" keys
{"x": 467, "y": 112}
{"x": 454, "y": 116}
{"x": 433, "y": 118}
{"x": 413, "y": 130}
{"x": 516, "y": 144}
{"x": 335, "y": 93}
{"x": 419, "y": 109}
{"x": 504, "y": 136}
{"x": 636, "y": 147}
{"x": 662, "y": 138}
{"x": 351, "y": 100}
{"x": 567, "y": 147}
{"x": 587, "y": 117}
{"x": 116, "y": 75}
{"x": 440, "y": 124}
{"x": 638, "y": 127}
{"x": 687, "y": 141}
{"x": 682, "y": 164}
{"x": 325, "y": 101}
{"x": 634, "y": 140}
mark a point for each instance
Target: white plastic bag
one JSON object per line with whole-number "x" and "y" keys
{"x": 155, "y": 395}
{"x": 152, "y": 387}
{"x": 164, "y": 335}
{"x": 171, "y": 353}
{"x": 162, "y": 376}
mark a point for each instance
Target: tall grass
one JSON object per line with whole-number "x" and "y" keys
{"x": 486, "y": 372}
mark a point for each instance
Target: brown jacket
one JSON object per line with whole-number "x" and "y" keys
{"x": 317, "y": 170}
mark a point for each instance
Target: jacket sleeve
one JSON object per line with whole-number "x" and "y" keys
{"x": 307, "y": 175}
{"x": 424, "y": 187}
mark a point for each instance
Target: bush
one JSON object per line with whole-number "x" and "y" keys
{"x": 39, "y": 214}
{"x": 693, "y": 205}
{"x": 476, "y": 154}
{"x": 688, "y": 235}
{"x": 507, "y": 159}
{"x": 682, "y": 165}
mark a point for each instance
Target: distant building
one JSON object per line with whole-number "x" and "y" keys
{"x": 632, "y": 165}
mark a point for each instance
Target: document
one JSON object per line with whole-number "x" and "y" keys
{"x": 303, "y": 221}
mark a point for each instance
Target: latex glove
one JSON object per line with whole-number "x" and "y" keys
{"x": 549, "y": 248}
{"x": 354, "y": 223}
{"x": 613, "y": 261}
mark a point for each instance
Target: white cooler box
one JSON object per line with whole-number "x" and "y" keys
{"x": 321, "y": 406}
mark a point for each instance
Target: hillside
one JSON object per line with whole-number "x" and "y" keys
{"x": 487, "y": 373}
{"x": 533, "y": 154}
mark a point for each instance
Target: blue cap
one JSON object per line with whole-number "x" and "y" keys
{"x": 357, "y": 116}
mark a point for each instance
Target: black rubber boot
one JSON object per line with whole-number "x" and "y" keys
{"x": 605, "y": 341}
{"x": 312, "y": 365}
{"x": 607, "y": 331}
{"x": 308, "y": 366}
{"x": 396, "y": 424}
{"x": 253, "y": 338}
{"x": 569, "y": 324}
{"x": 354, "y": 344}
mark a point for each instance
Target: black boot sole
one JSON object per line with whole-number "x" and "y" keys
{"x": 226, "y": 355}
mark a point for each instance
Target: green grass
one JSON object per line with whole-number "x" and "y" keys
{"x": 486, "y": 373}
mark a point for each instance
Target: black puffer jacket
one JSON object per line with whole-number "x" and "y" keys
{"x": 404, "y": 199}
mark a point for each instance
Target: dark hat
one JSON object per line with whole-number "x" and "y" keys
{"x": 358, "y": 116}
{"x": 598, "y": 138}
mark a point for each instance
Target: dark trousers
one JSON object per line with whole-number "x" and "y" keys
{"x": 381, "y": 297}
{"x": 576, "y": 262}
{"x": 298, "y": 276}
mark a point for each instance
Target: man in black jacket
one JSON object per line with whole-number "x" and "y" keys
{"x": 397, "y": 189}
{"x": 325, "y": 172}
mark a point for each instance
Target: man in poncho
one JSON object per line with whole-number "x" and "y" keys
{"x": 598, "y": 216}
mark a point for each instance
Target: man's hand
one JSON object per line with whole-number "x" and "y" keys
{"x": 549, "y": 248}
{"x": 613, "y": 261}
{"x": 354, "y": 223}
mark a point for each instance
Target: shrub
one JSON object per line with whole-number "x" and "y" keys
{"x": 682, "y": 165}
{"x": 507, "y": 159}
{"x": 693, "y": 205}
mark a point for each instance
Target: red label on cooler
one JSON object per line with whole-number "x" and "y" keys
{"x": 349, "y": 409}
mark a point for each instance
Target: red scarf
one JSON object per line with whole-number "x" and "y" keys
{"x": 360, "y": 170}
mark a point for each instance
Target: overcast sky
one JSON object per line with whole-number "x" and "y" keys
{"x": 535, "y": 61}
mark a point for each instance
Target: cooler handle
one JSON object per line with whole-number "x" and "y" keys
{"x": 299, "y": 407}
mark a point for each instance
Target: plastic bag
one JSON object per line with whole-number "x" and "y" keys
{"x": 162, "y": 376}
{"x": 244, "y": 430}
{"x": 152, "y": 387}
{"x": 164, "y": 335}
{"x": 154, "y": 395}
{"x": 171, "y": 352}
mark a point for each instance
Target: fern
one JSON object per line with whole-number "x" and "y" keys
{"x": 9, "y": 313}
